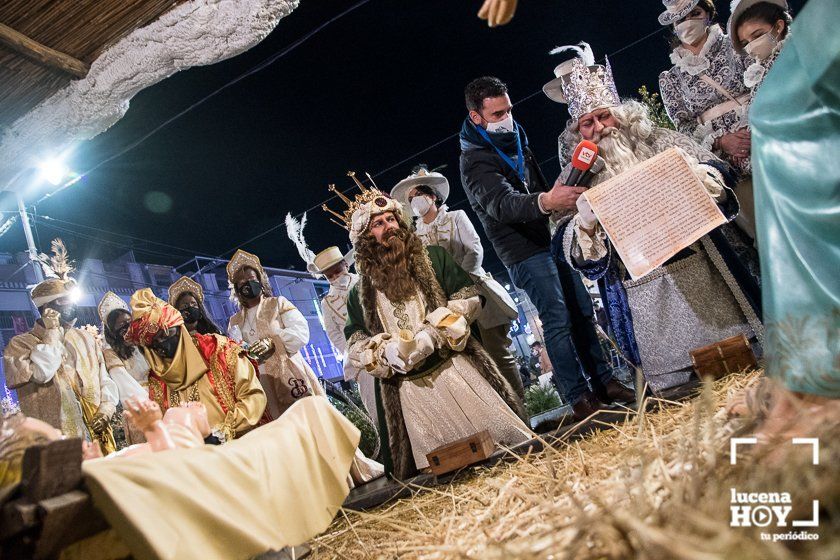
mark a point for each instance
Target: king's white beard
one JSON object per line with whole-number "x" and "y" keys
{"x": 621, "y": 152}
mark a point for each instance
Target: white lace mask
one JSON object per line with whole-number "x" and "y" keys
{"x": 762, "y": 47}
{"x": 691, "y": 30}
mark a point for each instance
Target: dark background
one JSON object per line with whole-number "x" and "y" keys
{"x": 369, "y": 91}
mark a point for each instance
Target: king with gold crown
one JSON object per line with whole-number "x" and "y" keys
{"x": 409, "y": 326}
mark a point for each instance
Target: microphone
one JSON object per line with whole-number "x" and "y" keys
{"x": 582, "y": 159}
{"x": 589, "y": 174}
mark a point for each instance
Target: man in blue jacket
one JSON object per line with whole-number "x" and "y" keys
{"x": 509, "y": 193}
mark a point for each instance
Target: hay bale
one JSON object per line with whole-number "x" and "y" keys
{"x": 657, "y": 486}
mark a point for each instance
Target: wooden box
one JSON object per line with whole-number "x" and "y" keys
{"x": 461, "y": 453}
{"x": 724, "y": 357}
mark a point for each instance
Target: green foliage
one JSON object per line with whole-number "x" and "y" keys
{"x": 369, "y": 441}
{"x": 656, "y": 109}
{"x": 539, "y": 399}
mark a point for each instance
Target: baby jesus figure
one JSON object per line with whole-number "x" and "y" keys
{"x": 182, "y": 427}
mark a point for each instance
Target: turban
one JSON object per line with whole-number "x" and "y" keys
{"x": 50, "y": 290}
{"x": 150, "y": 315}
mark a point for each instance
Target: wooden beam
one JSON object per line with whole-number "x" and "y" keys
{"x": 49, "y": 57}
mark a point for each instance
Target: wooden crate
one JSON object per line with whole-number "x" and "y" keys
{"x": 461, "y": 453}
{"x": 723, "y": 357}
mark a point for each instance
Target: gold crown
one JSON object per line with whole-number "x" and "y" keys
{"x": 368, "y": 195}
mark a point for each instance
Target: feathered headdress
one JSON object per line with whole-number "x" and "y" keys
{"x": 582, "y": 49}
{"x": 57, "y": 269}
{"x": 316, "y": 265}
{"x": 294, "y": 229}
{"x": 59, "y": 264}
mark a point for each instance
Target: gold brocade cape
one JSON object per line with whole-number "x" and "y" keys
{"x": 213, "y": 370}
{"x": 71, "y": 398}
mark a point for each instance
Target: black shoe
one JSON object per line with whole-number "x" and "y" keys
{"x": 586, "y": 406}
{"x": 616, "y": 392}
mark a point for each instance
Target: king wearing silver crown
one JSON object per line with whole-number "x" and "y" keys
{"x": 408, "y": 326}
{"x": 701, "y": 295}
{"x": 582, "y": 84}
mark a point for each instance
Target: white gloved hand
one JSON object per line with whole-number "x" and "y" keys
{"x": 586, "y": 217}
{"x": 424, "y": 348}
{"x": 392, "y": 356}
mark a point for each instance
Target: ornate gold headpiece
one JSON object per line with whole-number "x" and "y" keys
{"x": 184, "y": 285}
{"x": 368, "y": 203}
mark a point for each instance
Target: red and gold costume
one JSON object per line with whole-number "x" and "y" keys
{"x": 211, "y": 369}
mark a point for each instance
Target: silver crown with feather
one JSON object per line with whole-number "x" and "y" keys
{"x": 581, "y": 83}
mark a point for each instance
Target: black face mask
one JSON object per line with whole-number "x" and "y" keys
{"x": 250, "y": 289}
{"x": 120, "y": 334}
{"x": 167, "y": 347}
{"x": 191, "y": 314}
{"x": 68, "y": 312}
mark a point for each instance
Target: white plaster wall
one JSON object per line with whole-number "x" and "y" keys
{"x": 196, "y": 33}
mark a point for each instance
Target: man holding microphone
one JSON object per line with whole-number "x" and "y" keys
{"x": 509, "y": 193}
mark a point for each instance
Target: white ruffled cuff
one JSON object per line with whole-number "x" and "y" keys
{"x": 368, "y": 355}
{"x": 450, "y": 327}
{"x": 711, "y": 178}
{"x": 592, "y": 247}
{"x": 469, "y": 307}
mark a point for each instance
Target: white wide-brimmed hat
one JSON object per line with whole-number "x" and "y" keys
{"x": 675, "y": 10}
{"x": 738, "y": 7}
{"x": 554, "y": 88}
{"x": 328, "y": 258}
{"x": 422, "y": 176}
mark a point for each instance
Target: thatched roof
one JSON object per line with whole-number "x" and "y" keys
{"x": 69, "y": 68}
{"x": 79, "y": 29}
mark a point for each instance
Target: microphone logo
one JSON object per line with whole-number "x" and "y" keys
{"x": 586, "y": 155}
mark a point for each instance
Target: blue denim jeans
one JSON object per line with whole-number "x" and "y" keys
{"x": 566, "y": 313}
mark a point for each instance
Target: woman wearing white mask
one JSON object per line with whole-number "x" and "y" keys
{"x": 706, "y": 98}
{"x": 703, "y": 92}
{"x": 759, "y": 29}
{"x": 426, "y": 191}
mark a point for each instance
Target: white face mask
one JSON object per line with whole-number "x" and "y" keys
{"x": 762, "y": 47}
{"x": 342, "y": 282}
{"x": 504, "y": 125}
{"x": 420, "y": 205}
{"x": 691, "y": 30}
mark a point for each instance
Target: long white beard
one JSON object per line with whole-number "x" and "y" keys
{"x": 621, "y": 152}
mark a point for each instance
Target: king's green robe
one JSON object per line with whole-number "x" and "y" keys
{"x": 455, "y": 393}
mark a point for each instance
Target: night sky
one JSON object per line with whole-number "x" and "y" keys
{"x": 382, "y": 83}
